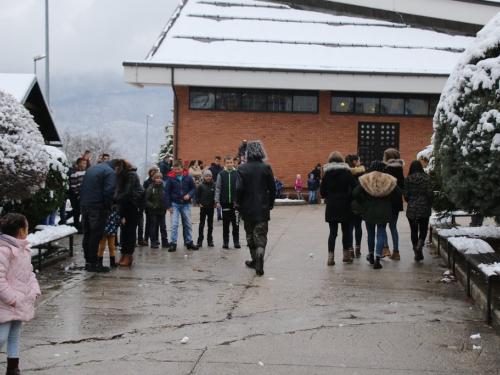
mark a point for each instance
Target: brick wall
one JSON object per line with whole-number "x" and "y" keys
{"x": 294, "y": 142}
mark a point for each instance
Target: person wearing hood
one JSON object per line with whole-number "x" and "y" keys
{"x": 419, "y": 195}
{"x": 378, "y": 192}
{"x": 357, "y": 171}
{"x": 128, "y": 197}
{"x": 394, "y": 167}
{"x": 255, "y": 194}
{"x": 336, "y": 188}
{"x": 205, "y": 196}
{"x": 19, "y": 288}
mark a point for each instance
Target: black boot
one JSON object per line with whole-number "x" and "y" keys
{"x": 259, "y": 265}
{"x": 236, "y": 241}
{"x": 13, "y": 366}
{"x": 377, "y": 264}
{"x": 172, "y": 248}
{"x": 192, "y": 246}
{"x": 370, "y": 258}
{"x": 210, "y": 242}
{"x": 112, "y": 262}
{"x": 199, "y": 242}
{"x": 225, "y": 244}
{"x": 250, "y": 263}
{"x": 99, "y": 260}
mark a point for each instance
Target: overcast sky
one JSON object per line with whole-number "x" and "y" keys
{"x": 85, "y": 35}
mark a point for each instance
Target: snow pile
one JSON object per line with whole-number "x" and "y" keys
{"x": 490, "y": 269}
{"x": 470, "y": 246}
{"x": 49, "y": 234}
{"x": 23, "y": 160}
{"x": 488, "y": 231}
{"x": 57, "y": 161}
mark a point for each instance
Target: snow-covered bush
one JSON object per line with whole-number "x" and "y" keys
{"x": 467, "y": 127}
{"x": 23, "y": 160}
{"x": 50, "y": 197}
{"x": 167, "y": 148}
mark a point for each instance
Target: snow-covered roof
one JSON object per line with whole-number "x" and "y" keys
{"x": 260, "y": 35}
{"x": 18, "y": 85}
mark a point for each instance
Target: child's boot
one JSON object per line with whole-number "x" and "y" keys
{"x": 112, "y": 262}
{"x": 13, "y": 366}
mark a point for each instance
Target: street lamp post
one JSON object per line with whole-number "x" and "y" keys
{"x": 146, "y": 162}
{"x": 36, "y": 58}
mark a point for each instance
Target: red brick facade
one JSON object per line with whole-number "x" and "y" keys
{"x": 294, "y": 142}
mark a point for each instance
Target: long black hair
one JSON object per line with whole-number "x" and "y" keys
{"x": 415, "y": 167}
{"x": 350, "y": 159}
{"x": 11, "y": 223}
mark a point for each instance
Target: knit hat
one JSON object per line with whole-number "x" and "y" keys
{"x": 377, "y": 165}
{"x": 207, "y": 172}
{"x": 392, "y": 153}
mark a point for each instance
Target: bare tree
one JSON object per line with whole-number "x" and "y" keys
{"x": 74, "y": 145}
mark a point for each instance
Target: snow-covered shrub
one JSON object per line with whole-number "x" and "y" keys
{"x": 23, "y": 160}
{"x": 50, "y": 197}
{"x": 167, "y": 148}
{"x": 467, "y": 126}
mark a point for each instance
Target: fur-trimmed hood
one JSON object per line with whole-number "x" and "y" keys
{"x": 356, "y": 171}
{"x": 335, "y": 166}
{"x": 395, "y": 163}
{"x": 378, "y": 184}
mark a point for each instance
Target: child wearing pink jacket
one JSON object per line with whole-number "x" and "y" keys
{"x": 298, "y": 187}
{"x": 18, "y": 286}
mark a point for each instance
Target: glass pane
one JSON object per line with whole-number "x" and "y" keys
{"x": 253, "y": 100}
{"x": 434, "y": 101}
{"x": 305, "y": 101}
{"x": 367, "y": 105}
{"x": 279, "y": 101}
{"x": 229, "y": 99}
{"x": 417, "y": 106}
{"x": 342, "y": 104}
{"x": 392, "y": 105}
{"x": 202, "y": 98}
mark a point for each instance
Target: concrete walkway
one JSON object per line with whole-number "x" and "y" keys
{"x": 301, "y": 317}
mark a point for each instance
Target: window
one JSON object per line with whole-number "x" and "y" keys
{"x": 342, "y": 104}
{"x": 433, "y": 103}
{"x": 279, "y": 101}
{"x": 367, "y": 105}
{"x": 253, "y": 100}
{"x": 417, "y": 106}
{"x": 392, "y": 106}
{"x": 305, "y": 101}
{"x": 228, "y": 99}
{"x": 201, "y": 98}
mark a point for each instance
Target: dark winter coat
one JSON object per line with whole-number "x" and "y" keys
{"x": 317, "y": 176}
{"x": 164, "y": 170}
{"x": 205, "y": 194}
{"x": 394, "y": 167}
{"x": 155, "y": 200}
{"x": 129, "y": 189}
{"x": 112, "y": 223}
{"x": 312, "y": 185}
{"x": 145, "y": 185}
{"x": 175, "y": 189}
{"x": 419, "y": 195}
{"x": 255, "y": 190}
{"x": 225, "y": 188}
{"x": 357, "y": 172}
{"x": 336, "y": 188}
{"x": 98, "y": 186}
{"x": 215, "y": 171}
{"x": 378, "y": 193}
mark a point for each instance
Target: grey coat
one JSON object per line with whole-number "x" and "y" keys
{"x": 419, "y": 195}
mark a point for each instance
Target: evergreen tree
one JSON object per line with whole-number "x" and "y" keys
{"x": 167, "y": 148}
{"x": 467, "y": 127}
{"x": 23, "y": 159}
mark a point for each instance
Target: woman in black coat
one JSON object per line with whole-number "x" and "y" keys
{"x": 317, "y": 176}
{"x": 336, "y": 187}
{"x": 129, "y": 192}
{"x": 419, "y": 195}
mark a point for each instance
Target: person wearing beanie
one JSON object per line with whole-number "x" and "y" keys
{"x": 255, "y": 194}
{"x": 205, "y": 197}
{"x": 378, "y": 193}
{"x": 394, "y": 167}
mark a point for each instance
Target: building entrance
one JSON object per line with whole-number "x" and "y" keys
{"x": 374, "y": 138}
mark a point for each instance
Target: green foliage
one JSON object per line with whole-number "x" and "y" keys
{"x": 167, "y": 148}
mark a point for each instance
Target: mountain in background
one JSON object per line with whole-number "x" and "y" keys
{"x": 105, "y": 104}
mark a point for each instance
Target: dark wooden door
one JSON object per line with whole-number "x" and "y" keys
{"x": 374, "y": 138}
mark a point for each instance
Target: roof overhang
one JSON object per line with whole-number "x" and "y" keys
{"x": 142, "y": 74}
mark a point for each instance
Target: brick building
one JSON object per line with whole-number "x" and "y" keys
{"x": 305, "y": 82}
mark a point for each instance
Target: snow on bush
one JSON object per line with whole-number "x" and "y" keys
{"x": 467, "y": 126}
{"x": 23, "y": 160}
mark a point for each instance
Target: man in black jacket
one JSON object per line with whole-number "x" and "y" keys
{"x": 255, "y": 193}
{"x": 96, "y": 197}
{"x": 216, "y": 168}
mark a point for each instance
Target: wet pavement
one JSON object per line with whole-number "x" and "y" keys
{"x": 301, "y": 317}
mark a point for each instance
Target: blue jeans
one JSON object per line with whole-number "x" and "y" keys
{"x": 10, "y": 332}
{"x": 355, "y": 225}
{"x": 184, "y": 210}
{"x": 393, "y": 226}
{"x": 381, "y": 235}
{"x": 313, "y": 196}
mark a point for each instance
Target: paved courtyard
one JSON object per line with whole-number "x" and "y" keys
{"x": 301, "y": 317}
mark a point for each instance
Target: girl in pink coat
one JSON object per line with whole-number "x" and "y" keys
{"x": 298, "y": 187}
{"x": 18, "y": 286}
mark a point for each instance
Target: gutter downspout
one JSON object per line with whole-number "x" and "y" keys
{"x": 176, "y": 115}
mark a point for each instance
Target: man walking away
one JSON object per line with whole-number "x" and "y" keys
{"x": 255, "y": 193}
